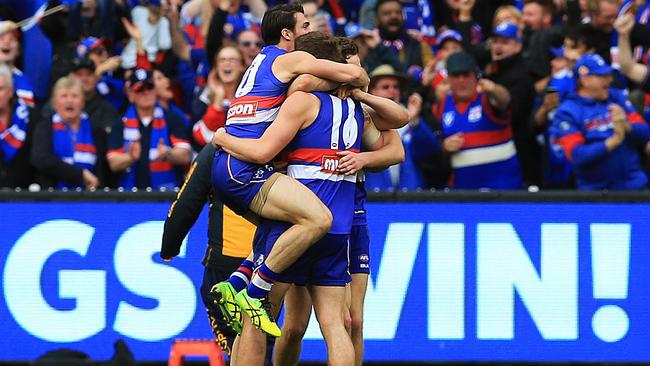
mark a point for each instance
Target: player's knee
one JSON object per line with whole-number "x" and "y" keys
{"x": 347, "y": 323}
{"x": 322, "y": 220}
{"x": 356, "y": 324}
{"x": 293, "y": 332}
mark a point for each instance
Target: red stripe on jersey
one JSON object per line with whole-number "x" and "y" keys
{"x": 312, "y": 155}
{"x": 160, "y": 166}
{"x": 175, "y": 140}
{"x": 262, "y": 102}
{"x": 485, "y": 138}
{"x": 13, "y": 142}
{"x": 570, "y": 141}
{"x": 131, "y": 123}
{"x": 634, "y": 117}
{"x": 158, "y": 123}
{"x": 59, "y": 126}
{"x": 85, "y": 148}
{"x": 489, "y": 109}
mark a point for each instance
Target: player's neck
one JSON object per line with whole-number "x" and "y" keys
{"x": 286, "y": 45}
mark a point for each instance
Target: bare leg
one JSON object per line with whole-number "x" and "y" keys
{"x": 290, "y": 201}
{"x": 233, "y": 353}
{"x": 358, "y": 291}
{"x": 329, "y": 303}
{"x": 297, "y": 306}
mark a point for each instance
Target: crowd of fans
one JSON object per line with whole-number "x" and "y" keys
{"x": 501, "y": 94}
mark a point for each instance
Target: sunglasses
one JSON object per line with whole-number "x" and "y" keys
{"x": 251, "y": 44}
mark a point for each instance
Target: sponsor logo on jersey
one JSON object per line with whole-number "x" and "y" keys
{"x": 330, "y": 164}
{"x": 243, "y": 109}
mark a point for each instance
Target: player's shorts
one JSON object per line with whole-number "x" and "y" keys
{"x": 237, "y": 182}
{"x": 359, "y": 249}
{"x": 223, "y": 334}
{"x": 324, "y": 264}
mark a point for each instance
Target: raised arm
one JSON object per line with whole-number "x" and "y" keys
{"x": 293, "y": 64}
{"x": 297, "y": 110}
{"x": 384, "y": 113}
{"x": 635, "y": 71}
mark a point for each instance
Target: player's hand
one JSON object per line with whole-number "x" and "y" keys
{"x": 350, "y": 162}
{"x": 218, "y": 137}
{"x": 453, "y": 143}
{"x": 345, "y": 91}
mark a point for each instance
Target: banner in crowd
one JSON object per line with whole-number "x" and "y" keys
{"x": 450, "y": 282}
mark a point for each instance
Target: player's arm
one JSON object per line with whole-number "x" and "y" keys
{"x": 310, "y": 83}
{"x": 296, "y": 110}
{"x": 385, "y": 113}
{"x": 188, "y": 204}
{"x": 293, "y": 64}
{"x": 382, "y": 149}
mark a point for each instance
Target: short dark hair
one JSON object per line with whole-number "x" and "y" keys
{"x": 320, "y": 45}
{"x": 347, "y": 46}
{"x": 278, "y": 18}
{"x": 547, "y": 5}
{"x": 382, "y": 2}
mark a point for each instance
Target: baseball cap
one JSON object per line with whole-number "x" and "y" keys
{"x": 87, "y": 45}
{"x": 461, "y": 62}
{"x": 82, "y": 63}
{"x": 507, "y": 30}
{"x": 352, "y": 30}
{"x": 557, "y": 51}
{"x": 592, "y": 64}
{"x": 448, "y": 35}
{"x": 140, "y": 78}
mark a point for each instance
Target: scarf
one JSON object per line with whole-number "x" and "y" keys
{"x": 161, "y": 173}
{"x": 78, "y": 150}
{"x": 13, "y": 135}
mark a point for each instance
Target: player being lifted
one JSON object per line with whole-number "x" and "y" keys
{"x": 257, "y": 187}
{"x": 315, "y": 127}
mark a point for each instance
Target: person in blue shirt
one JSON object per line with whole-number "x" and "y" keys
{"x": 600, "y": 131}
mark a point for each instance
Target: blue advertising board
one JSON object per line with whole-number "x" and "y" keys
{"x": 450, "y": 282}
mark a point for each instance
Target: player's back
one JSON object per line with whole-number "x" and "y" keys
{"x": 313, "y": 161}
{"x": 258, "y": 97}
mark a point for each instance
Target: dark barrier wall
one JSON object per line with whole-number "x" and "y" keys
{"x": 456, "y": 276}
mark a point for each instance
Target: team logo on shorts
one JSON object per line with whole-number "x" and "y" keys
{"x": 365, "y": 258}
{"x": 259, "y": 260}
{"x": 330, "y": 164}
{"x": 243, "y": 109}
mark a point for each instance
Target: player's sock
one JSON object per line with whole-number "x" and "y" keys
{"x": 242, "y": 276}
{"x": 262, "y": 282}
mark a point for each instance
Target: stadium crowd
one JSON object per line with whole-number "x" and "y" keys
{"x": 500, "y": 94}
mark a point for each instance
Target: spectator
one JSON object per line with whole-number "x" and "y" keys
{"x": 413, "y": 53}
{"x": 372, "y": 52}
{"x": 9, "y": 51}
{"x": 100, "y": 112}
{"x": 15, "y": 169}
{"x": 387, "y": 83}
{"x": 476, "y": 129}
{"x": 155, "y": 32}
{"x": 148, "y": 147}
{"x": 165, "y": 95}
{"x": 435, "y": 74}
{"x": 600, "y": 132}
{"x": 109, "y": 85}
{"x": 68, "y": 152}
{"x": 509, "y": 69}
{"x": 250, "y": 44}
{"x": 319, "y": 20}
{"x": 602, "y": 15}
{"x": 222, "y": 84}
